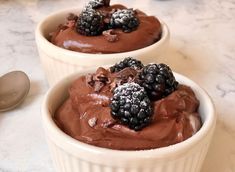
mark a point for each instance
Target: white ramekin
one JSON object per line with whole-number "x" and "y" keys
{"x": 70, "y": 155}
{"x": 58, "y": 62}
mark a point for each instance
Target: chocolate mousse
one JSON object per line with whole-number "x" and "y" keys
{"x": 116, "y": 108}
{"x": 103, "y": 28}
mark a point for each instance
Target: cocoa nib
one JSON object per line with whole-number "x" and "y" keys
{"x": 101, "y": 75}
{"x": 126, "y": 75}
{"x": 98, "y": 86}
{"x": 110, "y": 35}
{"x": 99, "y": 79}
{"x": 89, "y": 80}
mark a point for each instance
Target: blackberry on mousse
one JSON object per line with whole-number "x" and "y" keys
{"x": 158, "y": 80}
{"x": 90, "y": 22}
{"x": 104, "y": 112}
{"x": 124, "y": 19}
{"x": 131, "y": 105}
{"x": 127, "y": 62}
{"x": 98, "y": 3}
{"x": 104, "y": 28}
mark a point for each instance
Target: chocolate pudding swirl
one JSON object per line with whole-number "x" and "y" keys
{"x": 85, "y": 115}
{"x": 113, "y": 40}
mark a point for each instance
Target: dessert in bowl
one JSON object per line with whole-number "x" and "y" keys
{"x": 86, "y": 129}
{"x": 65, "y": 45}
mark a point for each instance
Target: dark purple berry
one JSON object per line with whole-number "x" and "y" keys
{"x": 98, "y": 3}
{"x": 90, "y": 22}
{"x": 158, "y": 80}
{"x": 131, "y": 106}
{"x": 127, "y": 62}
{"x": 124, "y": 19}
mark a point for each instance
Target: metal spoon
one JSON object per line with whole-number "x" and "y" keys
{"x": 14, "y": 87}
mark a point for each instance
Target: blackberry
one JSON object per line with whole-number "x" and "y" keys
{"x": 131, "y": 106}
{"x": 127, "y": 62}
{"x": 124, "y": 19}
{"x": 90, "y": 22}
{"x": 158, "y": 80}
{"x": 98, "y": 3}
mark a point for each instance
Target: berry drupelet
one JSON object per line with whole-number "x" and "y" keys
{"x": 124, "y": 19}
{"x": 131, "y": 106}
{"x": 90, "y": 22}
{"x": 158, "y": 80}
{"x": 127, "y": 62}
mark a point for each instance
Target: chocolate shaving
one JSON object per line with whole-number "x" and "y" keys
{"x": 98, "y": 86}
{"x": 89, "y": 80}
{"x": 101, "y": 71}
{"x": 102, "y": 75}
{"x": 103, "y": 79}
{"x": 99, "y": 79}
{"x": 110, "y": 35}
{"x": 127, "y": 72}
{"x": 126, "y": 75}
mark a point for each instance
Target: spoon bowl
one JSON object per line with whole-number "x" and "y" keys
{"x": 14, "y": 87}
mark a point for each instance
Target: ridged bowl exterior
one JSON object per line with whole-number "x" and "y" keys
{"x": 70, "y": 155}
{"x": 58, "y": 62}
{"x": 189, "y": 162}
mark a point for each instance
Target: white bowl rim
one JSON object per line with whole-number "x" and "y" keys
{"x": 73, "y": 54}
{"x": 207, "y": 126}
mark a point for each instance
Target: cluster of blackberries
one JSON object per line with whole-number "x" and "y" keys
{"x": 91, "y": 22}
{"x": 131, "y": 101}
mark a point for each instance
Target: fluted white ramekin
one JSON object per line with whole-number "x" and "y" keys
{"x": 58, "y": 62}
{"x": 70, "y": 155}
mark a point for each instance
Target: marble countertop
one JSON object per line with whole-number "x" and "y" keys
{"x": 202, "y": 48}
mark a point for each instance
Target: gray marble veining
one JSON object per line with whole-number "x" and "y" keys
{"x": 202, "y": 47}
